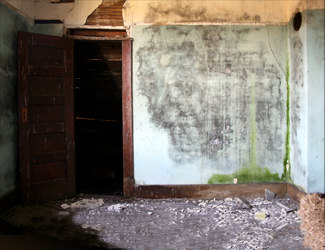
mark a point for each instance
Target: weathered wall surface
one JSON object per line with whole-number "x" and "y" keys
{"x": 315, "y": 79}
{"x": 24, "y": 7}
{"x": 137, "y": 12}
{"x": 10, "y": 23}
{"x": 298, "y": 104}
{"x": 307, "y": 101}
{"x": 209, "y": 100}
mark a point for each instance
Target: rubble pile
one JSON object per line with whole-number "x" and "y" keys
{"x": 312, "y": 213}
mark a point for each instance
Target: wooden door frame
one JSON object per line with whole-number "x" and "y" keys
{"x": 127, "y": 119}
{"x": 127, "y": 109}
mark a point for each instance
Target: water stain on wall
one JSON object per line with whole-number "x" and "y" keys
{"x": 179, "y": 11}
{"x": 197, "y": 84}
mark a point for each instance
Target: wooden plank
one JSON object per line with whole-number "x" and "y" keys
{"x": 45, "y": 86}
{"x": 218, "y": 191}
{"x": 46, "y": 113}
{"x": 54, "y": 100}
{"x": 45, "y": 56}
{"x": 47, "y": 143}
{"x": 128, "y": 169}
{"x": 96, "y": 32}
{"x": 48, "y": 190}
{"x": 100, "y": 22}
{"x": 47, "y": 128}
{"x": 48, "y": 157}
{"x": 94, "y": 38}
{"x": 48, "y": 171}
{"x": 46, "y": 71}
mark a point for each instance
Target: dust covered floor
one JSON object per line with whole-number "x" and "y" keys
{"x": 118, "y": 223}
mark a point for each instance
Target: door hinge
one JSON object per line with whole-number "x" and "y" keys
{"x": 24, "y": 115}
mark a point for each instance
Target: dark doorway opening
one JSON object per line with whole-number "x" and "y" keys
{"x": 98, "y": 116}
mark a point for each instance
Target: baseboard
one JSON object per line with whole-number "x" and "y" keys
{"x": 294, "y": 193}
{"x": 217, "y": 191}
{"x": 9, "y": 200}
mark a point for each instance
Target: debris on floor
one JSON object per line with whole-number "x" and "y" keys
{"x": 269, "y": 195}
{"x": 84, "y": 203}
{"x": 232, "y": 223}
{"x": 312, "y": 214}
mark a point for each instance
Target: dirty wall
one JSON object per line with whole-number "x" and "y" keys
{"x": 225, "y": 104}
{"x": 315, "y": 82}
{"x": 10, "y": 23}
{"x": 209, "y": 103}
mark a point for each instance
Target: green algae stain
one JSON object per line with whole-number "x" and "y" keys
{"x": 286, "y": 176}
{"x": 251, "y": 172}
{"x": 246, "y": 175}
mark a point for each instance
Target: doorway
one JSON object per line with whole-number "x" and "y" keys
{"x": 98, "y": 116}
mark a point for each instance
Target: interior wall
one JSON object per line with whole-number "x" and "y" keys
{"x": 138, "y": 12}
{"x": 209, "y": 104}
{"x": 315, "y": 79}
{"x": 24, "y": 7}
{"x": 10, "y": 23}
{"x": 298, "y": 104}
{"x": 203, "y": 112}
{"x": 307, "y": 101}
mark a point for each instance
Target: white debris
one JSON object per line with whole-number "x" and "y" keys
{"x": 116, "y": 207}
{"x": 260, "y": 216}
{"x": 228, "y": 199}
{"x": 150, "y": 213}
{"x": 282, "y": 206}
{"x": 282, "y": 226}
{"x": 84, "y": 203}
{"x": 65, "y": 206}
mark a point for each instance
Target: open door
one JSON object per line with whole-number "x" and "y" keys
{"x": 46, "y": 126}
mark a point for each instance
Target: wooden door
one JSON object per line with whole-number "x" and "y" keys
{"x": 46, "y": 125}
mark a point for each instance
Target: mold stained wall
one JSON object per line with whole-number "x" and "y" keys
{"x": 315, "y": 79}
{"x": 10, "y": 23}
{"x": 307, "y": 101}
{"x": 208, "y": 100}
{"x": 298, "y": 104}
{"x": 202, "y": 106}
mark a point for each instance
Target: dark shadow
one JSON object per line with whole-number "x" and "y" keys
{"x": 49, "y": 230}
{"x": 98, "y": 117}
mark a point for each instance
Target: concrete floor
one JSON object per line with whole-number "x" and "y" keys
{"x": 93, "y": 222}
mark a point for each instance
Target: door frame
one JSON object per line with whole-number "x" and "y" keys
{"x": 127, "y": 108}
{"x": 127, "y": 119}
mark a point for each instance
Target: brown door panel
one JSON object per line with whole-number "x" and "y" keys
{"x": 46, "y": 127}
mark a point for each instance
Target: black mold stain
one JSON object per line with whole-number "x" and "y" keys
{"x": 197, "y": 85}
